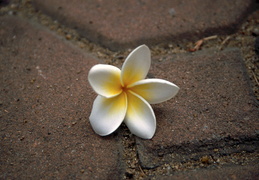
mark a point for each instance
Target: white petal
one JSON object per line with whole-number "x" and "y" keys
{"x": 136, "y": 66}
{"x": 140, "y": 117}
{"x": 155, "y": 90}
{"x": 108, "y": 113}
{"x": 105, "y": 80}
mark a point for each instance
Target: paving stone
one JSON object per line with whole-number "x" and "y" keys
{"x": 119, "y": 24}
{"x": 215, "y": 108}
{"x": 45, "y": 104}
{"x": 234, "y": 172}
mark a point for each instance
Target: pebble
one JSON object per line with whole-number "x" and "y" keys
{"x": 14, "y": 6}
{"x": 172, "y": 12}
{"x": 255, "y": 31}
{"x": 68, "y": 36}
{"x": 205, "y": 160}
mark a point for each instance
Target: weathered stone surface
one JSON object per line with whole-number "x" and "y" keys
{"x": 45, "y": 101}
{"x": 215, "y": 108}
{"x": 234, "y": 172}
{"x": 120, "y": 24}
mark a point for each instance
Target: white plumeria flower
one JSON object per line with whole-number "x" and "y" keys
{"x": 125, "y": 96}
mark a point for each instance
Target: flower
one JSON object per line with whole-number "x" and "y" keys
{"x": 125, "y": 95}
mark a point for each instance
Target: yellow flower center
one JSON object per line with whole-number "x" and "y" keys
{"x": 124, "y": 89}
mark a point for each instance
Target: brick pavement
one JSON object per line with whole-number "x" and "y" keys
{"x": 233, "y": 172}
{"x": 214, "y": 106}
{"x": 46, "y": 100}
{"x": 119, "y": 24}
{"x": 45, "y": 105}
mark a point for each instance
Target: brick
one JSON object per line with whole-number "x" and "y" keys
{"x": 234, "y": 172}
{"x": 45, "y": 104}
{"x": 118, "y": 25}
{"x": 215, "y": 108}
